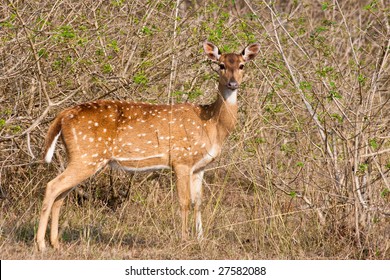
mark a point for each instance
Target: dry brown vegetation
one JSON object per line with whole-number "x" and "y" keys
{"x": 305, "y": 175}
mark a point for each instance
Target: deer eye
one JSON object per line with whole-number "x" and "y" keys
{"x": 241, "y": 66}
{"x": 222, "y": 66}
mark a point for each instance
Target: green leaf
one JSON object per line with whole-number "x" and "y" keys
{"x": 362, "y": 168}
{"x": 324, "y": 6}
{"x": 305, "y": 86}
{"x": 146, "y": 31}
{"x": 362, "y": 79}
{"x": 42, "y": 53}
{"x": 67, "y": 32}
{"x": 2, "y": 123}
{"x": 373, "y": 143}
{"x": 372, "y": 7}
{"x": 140, "y": 78}
{"x": 293, "y": 194}
{"x": 107, "y": 68}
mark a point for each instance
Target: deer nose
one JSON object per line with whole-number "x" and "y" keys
{"x": 232, "y": 85}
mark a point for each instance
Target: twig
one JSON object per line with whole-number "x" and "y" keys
{"x": 29, "y": 146}
{"x": 376, "y": 153}
{"x": 34, "y": 53}
{"x": 308, "y": 106}
{"x": 174, "y": 59}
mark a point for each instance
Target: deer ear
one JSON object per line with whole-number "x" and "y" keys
{"x": 250, "y": 52}
{"x": 211, "y": 51}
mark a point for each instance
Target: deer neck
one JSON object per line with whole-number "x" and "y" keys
{"x": 225, "y": 111}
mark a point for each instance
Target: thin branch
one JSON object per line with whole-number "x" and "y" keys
{"x": 174, "y": 59}
{"x": 376, "y": 153}
{"x": 308, "y": 106}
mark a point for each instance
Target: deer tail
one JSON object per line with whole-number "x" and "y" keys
{"x": 51, "y": 137}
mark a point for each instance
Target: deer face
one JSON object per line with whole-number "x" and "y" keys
{"x": 231, "y": 70}
{"x": 231, "y": 65}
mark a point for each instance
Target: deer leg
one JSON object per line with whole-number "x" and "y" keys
{"x": 55, "y": 214}
{"x": 196, "y": 198}
{"x": 183, "y": 176}
{"x": 62, "y": 184}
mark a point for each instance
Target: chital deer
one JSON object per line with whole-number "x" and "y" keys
{"x": 142, "y": 137}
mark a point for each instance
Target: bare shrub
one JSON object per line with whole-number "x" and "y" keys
{"x": 305, "y": 174}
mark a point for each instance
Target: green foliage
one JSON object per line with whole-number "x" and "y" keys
{"x": 337, "y": 117}
{"x": 107, "y": 68}
{"x": 373, "y": 143}
{"x": 191, "y": 95}
{"x": 9, "y": 23}
{"x": 325, "y": 71}
{"x": 362, "y": 168}
{"x": 2, "y": 123}
{"x": 140, "y": 78}
{"x": 15, "y": 129}
{"x": 362, "y": 79}
{"x": 6, "y": 111}
{"x": 287, "y": 148}
{"x": 260, "y": 140}
{"x": 325, "y": 6}
{"x": 99, "y": 52}
{"x": 333, "y": 92}
{"x": 124, "y": 50}
{"x": 293, "y": 194}
{"x": 57, "y": 64}
{"x": 82, "y": 42}
{"x": 372, "y": 6}
{"x": 145, "y": 30}
{"x": 305, "y": 86}
{"x": 9, "y": 128}
{"x": 113, "y": 45}
{"x": 117, "y": 3}
{"x": 273, "y": 108}
{"x": 385, "y": 193}
{"x": 42, "y": 53}
{"x": 66, "y": 32}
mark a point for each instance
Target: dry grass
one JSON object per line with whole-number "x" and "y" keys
{"x": 304, "y": 176}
